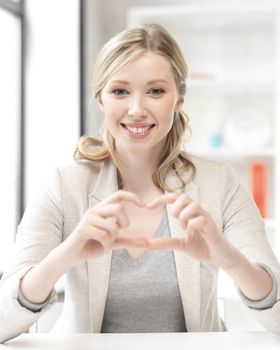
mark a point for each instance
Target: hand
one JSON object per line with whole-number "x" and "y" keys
{"x": 202, "y": 239}
{"x": 96, "y": 233}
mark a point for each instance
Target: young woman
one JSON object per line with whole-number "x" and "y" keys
{"x": 139, "y": 227}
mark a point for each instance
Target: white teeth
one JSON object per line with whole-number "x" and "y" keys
{"x": 138, "y": 130}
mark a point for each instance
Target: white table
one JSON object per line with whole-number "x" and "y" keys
{"x": 155, "y": 341}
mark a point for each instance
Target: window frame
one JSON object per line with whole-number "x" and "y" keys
{"x": 17, "y": 9}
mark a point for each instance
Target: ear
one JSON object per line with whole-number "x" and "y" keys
{"x": 100, "y": 103}
{"x": 179, "y": 103}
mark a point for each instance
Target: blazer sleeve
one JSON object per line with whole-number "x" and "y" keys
{"x": 244, "y": 228}
{"x": 39, "y": 232}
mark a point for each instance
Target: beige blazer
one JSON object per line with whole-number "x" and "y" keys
{"x": 78, "y": 186}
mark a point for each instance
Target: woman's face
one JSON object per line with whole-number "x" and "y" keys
{"x": 139, "y": 103}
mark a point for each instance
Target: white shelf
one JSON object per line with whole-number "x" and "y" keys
{"x": 268, "y": 152}
{"x": 201, "y": 16}
{"x": 230, "y": 86}
{"x": 211, "y": 11}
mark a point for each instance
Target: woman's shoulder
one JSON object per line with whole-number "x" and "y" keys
{"x": 81, "y": 172}
{"x": 76, "y": 179}
{"x": 213, "y": 172}
{"x": 215, "y": 178}
{"x": 207, "y": 165}
{"x": 83, "y": 166}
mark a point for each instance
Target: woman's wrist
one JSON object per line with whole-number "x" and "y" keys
{"x": 253, "y": 281}
{"x": 38, "y": 282}
{"x": 65, "y": 255}
{"x": 226, "y": 256}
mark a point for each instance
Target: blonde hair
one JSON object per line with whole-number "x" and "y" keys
{"x": 117, "y": 52}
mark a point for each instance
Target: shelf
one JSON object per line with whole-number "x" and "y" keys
{"x": 231, "y": 153}
{"x": 216, "y": 16}
{"x": 220, "y": 86}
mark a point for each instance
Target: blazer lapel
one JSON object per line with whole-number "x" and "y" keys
{"x": 188, "y": 269}
{"x": 99, "y": 268}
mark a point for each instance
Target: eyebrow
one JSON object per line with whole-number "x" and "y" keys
{"x": 124, "y": 82}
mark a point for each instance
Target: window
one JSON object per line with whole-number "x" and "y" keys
{"x": 10, "y": 133}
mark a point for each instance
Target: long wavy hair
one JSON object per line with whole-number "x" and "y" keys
{"x": 117, "y": 52}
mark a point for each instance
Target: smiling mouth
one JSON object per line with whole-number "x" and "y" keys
{"x": 138, "y": 130}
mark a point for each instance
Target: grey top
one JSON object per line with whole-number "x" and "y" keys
{"x": 143, "y": 295}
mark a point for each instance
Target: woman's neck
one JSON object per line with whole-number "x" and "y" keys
{"x": 136, "y": 173}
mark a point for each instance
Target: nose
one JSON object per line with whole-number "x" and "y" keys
{"x": 137, "y": 108}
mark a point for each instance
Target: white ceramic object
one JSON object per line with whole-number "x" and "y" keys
{"x": 248, "y": 129}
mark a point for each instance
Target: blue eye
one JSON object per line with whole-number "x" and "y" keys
{"x": 156, "y": 91}
{"x": 118, "y": 92}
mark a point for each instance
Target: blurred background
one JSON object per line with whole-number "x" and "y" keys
{"x": 47, "y": 52}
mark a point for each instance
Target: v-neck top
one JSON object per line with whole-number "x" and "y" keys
{"x": 143, "y": 294}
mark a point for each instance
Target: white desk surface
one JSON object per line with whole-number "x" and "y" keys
{"x": 146, "y": 341}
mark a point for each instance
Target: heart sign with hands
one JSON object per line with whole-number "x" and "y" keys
{"x": 143, "y": 222}
{"x": 113, "y": 224}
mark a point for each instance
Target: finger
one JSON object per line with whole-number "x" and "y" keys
{"x": 181, "y": 202}
{"x": 126, "y": 242}
{"x": 188, "y": 212}
{"x": 113, "y": 210}
{"x": 163, "y": 244}
{"x": 125, "y": 196}
{"x": 162, "y": 200}
{"x": 100, "y": 236}
{"x": 196, "y": 224}
{"x": 106, "y": 225}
